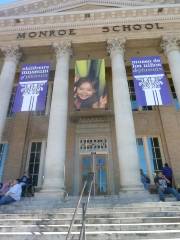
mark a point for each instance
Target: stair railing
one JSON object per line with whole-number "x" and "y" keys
{"x": 82, "y": 236}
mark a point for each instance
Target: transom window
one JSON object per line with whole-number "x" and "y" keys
{"x": 88, "y": 145}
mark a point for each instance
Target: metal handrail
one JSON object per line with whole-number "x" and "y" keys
{"x": 91, "y": 178}
{"x": 75, "y": 212}
{"x": 84, "y": 210}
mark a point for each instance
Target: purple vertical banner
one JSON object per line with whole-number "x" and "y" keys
{"x": 32, "y": 88}
{"x": 150, "y": 82}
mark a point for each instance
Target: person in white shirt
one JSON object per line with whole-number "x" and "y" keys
{"x": 14, "y": 193}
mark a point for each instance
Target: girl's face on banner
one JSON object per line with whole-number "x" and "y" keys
{"x": 85, "y": 90}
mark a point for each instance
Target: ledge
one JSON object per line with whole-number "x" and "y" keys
{"x": 90, "y": 113}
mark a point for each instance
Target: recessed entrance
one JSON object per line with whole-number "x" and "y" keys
{"x": 95, "y": 163}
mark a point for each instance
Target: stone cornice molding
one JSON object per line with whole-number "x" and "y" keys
{"x": 11, "y": 53}
{"x": 62, "y": 48}
{"x": 78, "y": 3}
{"x": 116, "y": 45}
{"x": 42, "y": 6}
{"x": 97, "y": 18}
{"x": 170, "y": 43}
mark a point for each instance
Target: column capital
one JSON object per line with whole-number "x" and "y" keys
{"x": 116, "y": 45}
{"x": 12, "y": 53}
{"x": 62, "y": 48}
{"x": 170, "y": 43}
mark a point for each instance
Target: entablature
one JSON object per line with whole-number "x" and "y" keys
{"x": 44, "y": 6}
{"x": 90, "y": 18}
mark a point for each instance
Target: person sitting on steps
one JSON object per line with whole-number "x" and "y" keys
{"x": 26, "y": 184}
{"x": 13, "y": 194}
{"x": 162, "y": 185}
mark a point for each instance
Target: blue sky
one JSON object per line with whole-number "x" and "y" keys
{"x": 6, "y": 1}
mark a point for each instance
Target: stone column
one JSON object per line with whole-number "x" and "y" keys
{"x": 56, "y": 142}
{"x": 12, "y": 56}
{"x": 171, "y": 48}
{"x": 124, "y": 123}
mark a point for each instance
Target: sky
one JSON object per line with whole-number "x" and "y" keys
{"x": 6, "y": 1}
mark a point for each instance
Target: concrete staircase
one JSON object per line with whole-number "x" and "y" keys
{"x": 107, "y": 219}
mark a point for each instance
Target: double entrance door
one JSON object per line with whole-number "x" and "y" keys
{"x": 97, "y": 164}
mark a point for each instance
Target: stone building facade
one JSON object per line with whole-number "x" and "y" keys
{"x": 59, "y": 145}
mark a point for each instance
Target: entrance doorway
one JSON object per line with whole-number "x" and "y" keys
{"x": 96, "y": 163}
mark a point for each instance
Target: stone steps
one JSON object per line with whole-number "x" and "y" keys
{"x": 109, "y": 227}
{"x": 137, "y": 221}
{"x": 105, "y": 235}
{"x": 29, "y": 221}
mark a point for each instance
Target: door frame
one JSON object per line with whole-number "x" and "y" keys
{"x": 94, "y": 168}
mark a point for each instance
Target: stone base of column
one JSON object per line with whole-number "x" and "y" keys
{"x": 136, "y": 195}
{"x": 131, "y": 188}
{"x": 54, "y": 195}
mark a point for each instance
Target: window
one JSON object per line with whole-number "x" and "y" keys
{"x": 34, "y": 161}
{"x": 132, "y": 93}
{"x": 155, "y": 152}
{"x": 11, "y": 103}
{"x": 150, "y": 154}
{"x": 175, "y": 99}
{"x": 141, "y": 154}
{"x": 3, "y": 156}
{"x": 134, "y": 104}
{"x": 88, "y": 145}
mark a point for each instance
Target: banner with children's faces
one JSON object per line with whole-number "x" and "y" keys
{"x": 90, "y": 84}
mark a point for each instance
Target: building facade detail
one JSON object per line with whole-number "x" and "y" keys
{"x": 116, "y": 46}
{"x": 71, "y": 142}
{"x": 62, "y": 48}
{"x": 11, "y": 53}
{"x": 88, "y": 145}
{"x": 50, "y": 6}
{"x": 170, "y": 43}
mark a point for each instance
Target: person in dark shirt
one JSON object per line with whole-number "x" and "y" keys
{"x": 162, "y": 185}
{"x": 145, "y": 180}
{"x": 167, "y": 172}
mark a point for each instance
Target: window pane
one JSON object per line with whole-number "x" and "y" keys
{"x": 156, "y": 142}
{"x": 36, "y": 168}
{"x": 155, "y": 153}
{"x": 10, "y": 113}
{"x": 31, "y": 169}
{"x": 3, "y": 156}
{"x": 141, "y": 155}
{"x": 33, "y": 147}
{"x": 35, "y": 180}
{"x": 34, "y": 161}
{"x": 32, "y": 156}
{"x": 38, "y": 147}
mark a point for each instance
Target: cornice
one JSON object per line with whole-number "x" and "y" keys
{"x": 97, "y": 18}
{"x": 44, "y": 6}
